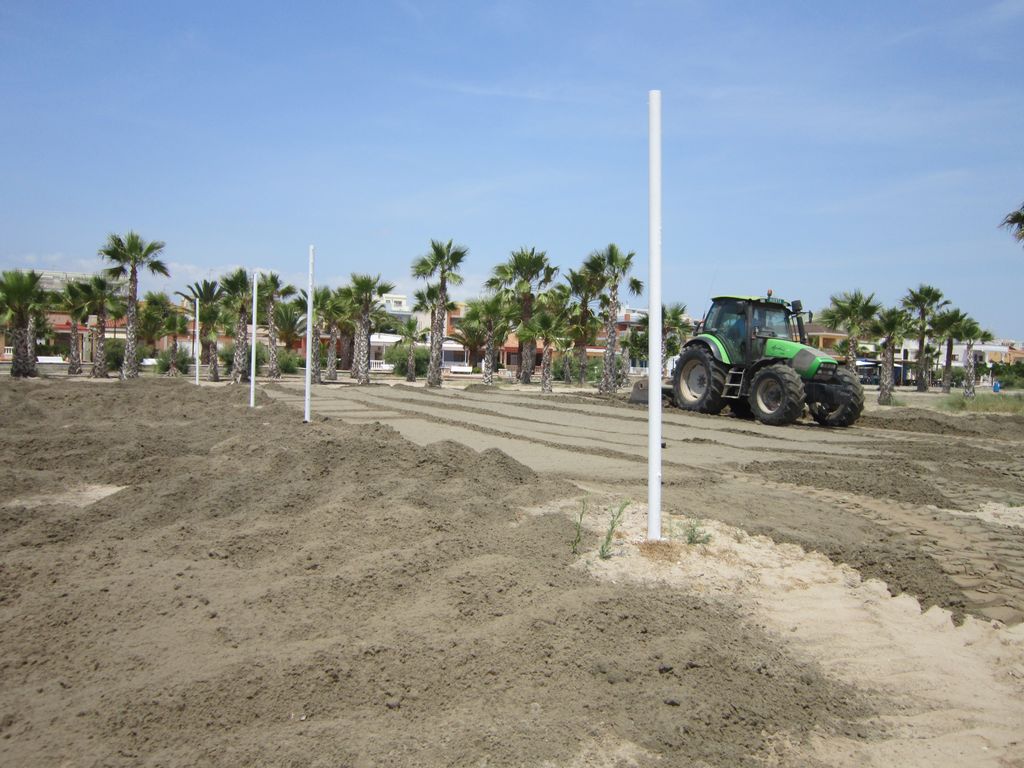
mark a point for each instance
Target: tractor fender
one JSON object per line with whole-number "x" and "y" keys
{"x": 713, "y": 345}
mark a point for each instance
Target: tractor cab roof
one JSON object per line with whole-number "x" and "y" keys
{"x": 758, "y": 299}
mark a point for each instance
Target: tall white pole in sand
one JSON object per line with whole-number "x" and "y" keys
{"x": 195, "y": 335}
{"x": 252, "y": 363}
{"x": 309, "y": 335}
{"x": 654, "y": 363}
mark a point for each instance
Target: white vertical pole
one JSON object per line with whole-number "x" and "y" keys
{"x": 195, "y": 335}
{"x": 252, "y": 352}
{"x": 654, "y": 363}
{"x": 309, "y": 335}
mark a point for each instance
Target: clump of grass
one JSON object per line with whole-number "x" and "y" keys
{"x": 616, "y": 520}
{"x": 579, "y": 527}
{"x": 695, "y": 534}
{"x": 985, "y": 403}
{"x": 663, "y": 550}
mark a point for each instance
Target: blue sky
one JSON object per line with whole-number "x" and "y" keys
{"x": 809, "y": 147}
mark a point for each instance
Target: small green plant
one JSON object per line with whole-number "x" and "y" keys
{"x": 616, "y": 520}
{"x": 163, "y": 361}
{"x": 985, "y": 403}
{"x": 579, "y": 527}
{"x": 288, "y": 361}
{"x": 695, "y": 534}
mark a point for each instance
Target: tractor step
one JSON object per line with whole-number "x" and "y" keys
{"x": 733, "y": 383}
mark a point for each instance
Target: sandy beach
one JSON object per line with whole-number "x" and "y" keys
{"x": 187, "y": 581}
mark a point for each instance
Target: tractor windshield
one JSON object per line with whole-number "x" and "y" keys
{"x": 772, "y": 320}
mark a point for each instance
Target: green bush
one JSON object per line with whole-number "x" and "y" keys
{"x": 595, "y": 367}
{"x": 163, "y": 361}
{"x": 227, "y": 356}
{"x": 398, "y": 356}
{"x": 288, "y": 361}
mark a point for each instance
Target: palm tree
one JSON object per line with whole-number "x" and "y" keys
{"x": 364, "y": 293}
{"x": 444, "y": 261}
{"x": 1014, "y": 222}
{"x": 891, "y": 326}
{"x": 20, "y": 297}
{"x": 70, "y": 301}
{"x": 237, "y": 300}
{"x": 673, "y": 325}
{"x": 289, "y": 324}
{"x": 616, "y": 267}
{"x": 411, "y": 333}
{"x": 526, "y": 273}
{"x": 853, "y": 312}
{"x": 271, "y": 291}
{"x": 322, "y": 296}
{"x": 175, "y": 326}
{"x": 943, "y": 326}
{"x": 210, "y": 294}
{"x": 472, "y": 335}
{"x": 128, "y": 254}
{"x": 548, "y": 327}
{"x": 491, "y": 314}
{"x": 101, "y": 297}
{"x": 971, "y": 333}
{"x": 156, "y": 308}
{"x": 585, "y": 286}
{"x": 925, "y": 300}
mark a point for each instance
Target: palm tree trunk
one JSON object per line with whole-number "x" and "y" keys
{"x": 885, "y": 380}
{"x": 130, "y": 367}
{"x": 609, "y": 375}
{"x": 364, "y": 360}
{"x": 332, "y": 353}
{"x": 854, "y": 343}
{"x": 581, "y": 361}
{"x": 527, "y": 349}
{"x": 489, "y": 357}
{"x": 99, "y": 358}
{"x": 24, "y": 363}
{"x": 172, "y": 368}
{"x": 315, "y": 373}
{"x": 410, "y": 362}
{"x": 212, "y": 360}
{"x": 947, "y": 370}
{"x": 545, "y": 368}
{"x": 273, "y": 367}
{"x": 240, "y": 361}
{"x": 74, "y": 353}
{"x": 969, "y": 371}
{"x": 437, "y": 336}
{"x": 922, "y": 372}
{"x": 566, "y": 367}
{"x": 345, "y": 355}
{"x": 30, "y": 341}
{"x": 204, "y": 345}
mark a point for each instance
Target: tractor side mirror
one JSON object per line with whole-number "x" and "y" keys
{"x": 797, "y": 306}
{"x": 810, "y": 317}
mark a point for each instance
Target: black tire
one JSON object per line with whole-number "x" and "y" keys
{"x": 741, "y": 408}
{"x": 851, "y": 402}
{"x": 777, "y": 395}
{"x": 698, "y": 381}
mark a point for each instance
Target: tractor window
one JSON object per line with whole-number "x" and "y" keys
{"x": 772, "y": 321}
{"x": 726, "y": 315}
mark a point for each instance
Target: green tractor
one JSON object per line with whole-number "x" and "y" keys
{"x": 744, "y": 356}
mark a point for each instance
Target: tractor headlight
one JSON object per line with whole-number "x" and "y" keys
{"x": 825, "y": 372}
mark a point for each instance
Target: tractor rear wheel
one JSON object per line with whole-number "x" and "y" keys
{"x": 850, "y": 396}
{"x": 777, "y": 395}
{"x": 698, "y": 381}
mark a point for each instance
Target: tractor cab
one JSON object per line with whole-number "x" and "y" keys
{"x": 751, "y": 355}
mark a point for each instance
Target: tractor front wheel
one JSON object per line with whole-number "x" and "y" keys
{"x": 698, "y": 381}
{"x": 850, "y": 398}
{"x": 777, "y": 395}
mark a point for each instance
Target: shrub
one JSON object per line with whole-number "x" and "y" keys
{"x": 287, "y": 361}
{"x": 595, "y": 367}
{"x": 398, "y": 356}
{"x": 227, "y": 356}
{"x": 163, "y": 361}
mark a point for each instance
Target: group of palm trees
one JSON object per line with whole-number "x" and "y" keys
{"x": 924, "y": 313}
